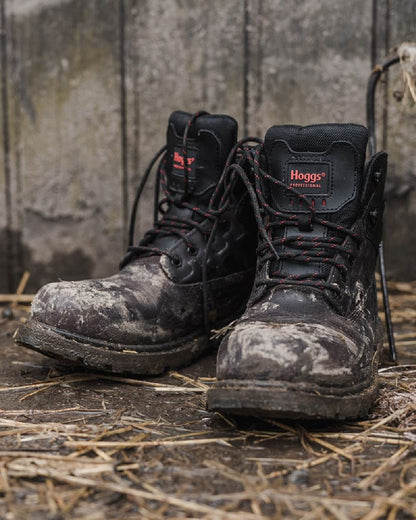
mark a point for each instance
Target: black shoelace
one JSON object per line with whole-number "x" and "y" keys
{"x": 168, "y": 225}
{"x": 205, "y": 221}
{"x": 304, "y": 249}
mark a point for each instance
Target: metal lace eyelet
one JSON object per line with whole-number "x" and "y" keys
{"x": 337, "y": 290}
{"x": 193, "y": 251}
{"x": 176, "y": 261}
{"x": 377, "y": 176}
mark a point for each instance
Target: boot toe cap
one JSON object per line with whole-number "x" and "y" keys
{"x": 293, "y": 352}
{"x": 106, "y": 310}
{"x": 76, "y": 307}
{"x": 138, "y": 306}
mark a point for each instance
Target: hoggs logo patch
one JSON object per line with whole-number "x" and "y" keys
{"x": 309, "y": 178}
{"x": 179, "y": 161}
{"x": 296, "y": 175}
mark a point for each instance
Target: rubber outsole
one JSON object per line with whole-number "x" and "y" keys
{"x": 119, "y": 359}
{"x": 289, "y": 401}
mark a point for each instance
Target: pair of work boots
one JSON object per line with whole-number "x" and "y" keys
{"x": 274, "y": 242}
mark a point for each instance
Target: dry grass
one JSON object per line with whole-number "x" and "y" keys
{"x": 102, "y": 462}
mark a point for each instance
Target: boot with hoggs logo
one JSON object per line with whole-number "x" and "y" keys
{"x": 193, "y": 271}
{"x": 308, "y": 344}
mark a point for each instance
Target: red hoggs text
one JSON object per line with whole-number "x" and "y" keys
{"x": 178, "y": 161}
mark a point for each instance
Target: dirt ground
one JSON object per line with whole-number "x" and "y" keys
{"x": 90, "y": 446}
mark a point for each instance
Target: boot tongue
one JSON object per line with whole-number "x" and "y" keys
{"x": 210, "y": 139}
{"x": 323, "y": 162}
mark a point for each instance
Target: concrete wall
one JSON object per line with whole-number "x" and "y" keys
{"x": 88, "y": 85}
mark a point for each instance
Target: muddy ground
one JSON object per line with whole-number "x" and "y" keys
{"x": 90, "y": 446}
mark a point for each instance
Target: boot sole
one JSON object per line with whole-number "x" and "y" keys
{"x": 290, "y": 400}
{"x": 107, "y": 357}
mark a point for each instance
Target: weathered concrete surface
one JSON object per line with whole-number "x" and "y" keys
{"x": 90, "y": 85}
{"x": 309, "y": 61}
{"x": 400, "y": 140}
{"x": 179, "y": 55}
{"x": 65, "y": 142}
{"x": 30, "y": 6}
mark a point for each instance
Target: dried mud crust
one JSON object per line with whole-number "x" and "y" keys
{"x": 108, "y": 357}
{"x": 291, "y": 400}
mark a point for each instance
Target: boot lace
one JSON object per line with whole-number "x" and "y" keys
{"x": 333, "y": 250}
{"x": 168, "y": 225}
{"x": 179, "y": 226}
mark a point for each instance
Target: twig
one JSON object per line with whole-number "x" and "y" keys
{"x": 16, "y": 298}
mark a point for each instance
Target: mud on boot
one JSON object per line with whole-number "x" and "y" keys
{"x": 192, "y": 271}
{"x": 308, "y": 344}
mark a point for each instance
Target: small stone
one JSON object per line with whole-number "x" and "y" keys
{"x": 299, "y": 477}
{"x": 7, "y": 314}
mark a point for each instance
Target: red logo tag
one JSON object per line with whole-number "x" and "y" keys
{"x": 309, "y": 178}
{"x": 179, "y": 161}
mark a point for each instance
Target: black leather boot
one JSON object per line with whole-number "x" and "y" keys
{"x": 308, "y": 344}
{"x": 193, "y": 271}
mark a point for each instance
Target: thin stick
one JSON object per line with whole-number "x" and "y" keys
{"x": 23, "y": 282}
{"x": 387, "y": 464}
{"x": 16, "y": 298}
{"x": 127, "y": 444}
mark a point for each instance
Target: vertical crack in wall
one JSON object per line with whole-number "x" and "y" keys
{"x": 246, "y": 62}
{"x": 15, "y": 127}
{"x": 387, "y": 82}
{"x": 6, "y": 147}
{"x": 136, "y": 89}
{"x": 206, "y": 23}
{"x": 374, "y": 25}
{"x": 259, "y": 130}
{"x": 123, "y": 120}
